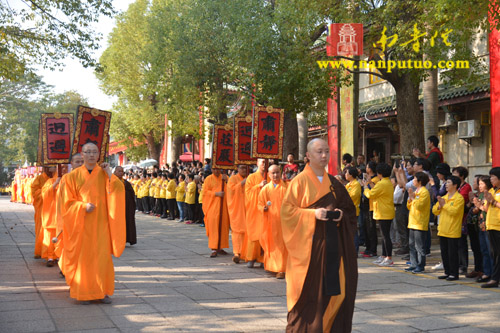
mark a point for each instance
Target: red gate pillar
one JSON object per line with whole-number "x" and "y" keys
{"x": 494, "y": 45}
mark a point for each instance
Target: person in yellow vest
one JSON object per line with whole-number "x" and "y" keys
{"x": 190, "y": 202}
{"x": 384, "y": 211}
{"x": 163, "y": 196}
{"x": 171, "y": 196}
{"x": 152, "y": 192}
{"x": 492, "y": 202}
{"x": 371, "y": 240}
{"x": 180, "y": 195}
{"x": 145, "y": 194}
{"x": 450, "y": 209}
{"x": 419, "y": 205}
{"x": 353, "y": 187}
{"x": 140, "y": 193}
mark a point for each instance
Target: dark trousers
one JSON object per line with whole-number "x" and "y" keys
{"x": 494, "y": 236}
{"x": 449, "y": 255}
{"x": 463, "y": 249}
{"x": 371, "y": 239}
{"x": 163, "y": 205}
{"x": 417, "y": 251}
{"x": 385, "y": 228}
{"x": 190, "y": 212}
{"x": 145, "y": 204}
{"x": 171, "y": 208}
{"x": 402, "y": 226}
{"x": 151, "y": 204}
{"x": 138, "y": 204}
{"x": 363, "y": 212}
{"x": 199, "y": 215}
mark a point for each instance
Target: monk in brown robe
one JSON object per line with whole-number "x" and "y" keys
{"x": 255, "y": 182}
{"x": 271, "y": 240}
{"x": 129, "y": 206}
{"x": 236, "y": 208}
{"x": 215, "y": 204}
{"x": 318, "y": 221}
{"x": 36, "y": 192}
{"x": 94, "y": 228}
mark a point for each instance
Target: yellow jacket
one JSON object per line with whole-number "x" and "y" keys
{"x": 382, "y": 195}
{"x": 163, "y": 189}
{"x": 180, "y": 192}
{"x": 191, "y": 193}
{"x": 159, "y": 181}
{"x": 152, "y": 187}
{"x": 420, "y": 210}
{"x": 374, "y": 180}
{"x": 171, "y": 189}
{"x": 145, "y": 188}
{"x": 354, "y": 189}
{"x": 450, "y": 216}
{"x": 493, "y": 213}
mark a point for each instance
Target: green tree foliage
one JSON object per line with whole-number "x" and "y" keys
{"x": 45, "y": 32}
{"x": 21, "y": 104}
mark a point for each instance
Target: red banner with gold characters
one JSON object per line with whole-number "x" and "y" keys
{"x": 92, "y": 125}
{"x": 57, "y": 133}
{"x": 223, "y": 147}
{"x": 243, "y": 141}
{"x": 267, "y": 137}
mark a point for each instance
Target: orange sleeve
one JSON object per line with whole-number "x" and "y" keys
{"x": 116, "y": 214}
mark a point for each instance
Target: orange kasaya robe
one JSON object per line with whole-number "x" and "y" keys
{"x": 217, "y": 229}
{"x": 20, "y": 191}
{"x": 254, "y": 220}
{"x": 60, "y": 200}
{"x": 236, "y": 207}
{"x": 275, "y": 253}
{"x": 13, "y": 191}
{"x": 306, "y": 240}
{"x": 91, "y": 238}
{"x": 49, "y": 217}
{"x": 36, "y": 192}
{"x": 27, "y": 191}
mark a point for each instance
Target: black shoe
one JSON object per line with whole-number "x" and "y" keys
{"x": 401, "y": 252}
{"x": 452, "y": 278}
{"x": 483, "y": 279}
{"x": 442, "y": 277}
{"x": 491, "y": 284}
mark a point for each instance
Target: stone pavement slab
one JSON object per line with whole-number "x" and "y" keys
{"x": 168, "y": 283}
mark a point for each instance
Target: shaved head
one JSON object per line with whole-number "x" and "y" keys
{"x": 318, "y": 154}
{"x": 76, "y": 160}
{"x": 89, "y": 145}
{"x": 275, "y": 173}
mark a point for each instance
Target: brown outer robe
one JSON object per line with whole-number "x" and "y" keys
{"x": 299, "y": 227}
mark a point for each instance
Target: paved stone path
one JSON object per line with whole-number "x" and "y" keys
{"x": 167, "y": 282}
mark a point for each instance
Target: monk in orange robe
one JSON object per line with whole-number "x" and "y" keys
{"x": 36, "y": 192}
{"x": 76, "y": 162}
{"x": 255, "y": 182}
{"x": 236, "y": 208}
{"x": 319, "y": 221}
{"x": 94, "y": 228}
{"x": 270, "y": 201}
{"x": 13, "y": 191}
{"x": 49, "y": 222}
{"x": 213, "y": 197}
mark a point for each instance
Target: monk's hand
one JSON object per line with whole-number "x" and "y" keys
{"x": 219, "y": 194}
{"x": 263, "y": 183}
{"x": 90, "y": 207}
{"x": 105, "y": 167}
{"x": 243, "y": 182}
{"x": 340, "y": 216}
{"x": 320, "y": 214}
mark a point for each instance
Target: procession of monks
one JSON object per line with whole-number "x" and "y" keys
{"x": 285, "y": 226}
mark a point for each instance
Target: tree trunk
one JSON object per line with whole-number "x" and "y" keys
{"x": 290, "y": 135}
{"x": 430, "y": 88}
{"x": 303, "y": 132}
{"x": 176, "y": 148}
{"x": 154, "y": 149}
{"x": 409, "y": 117}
